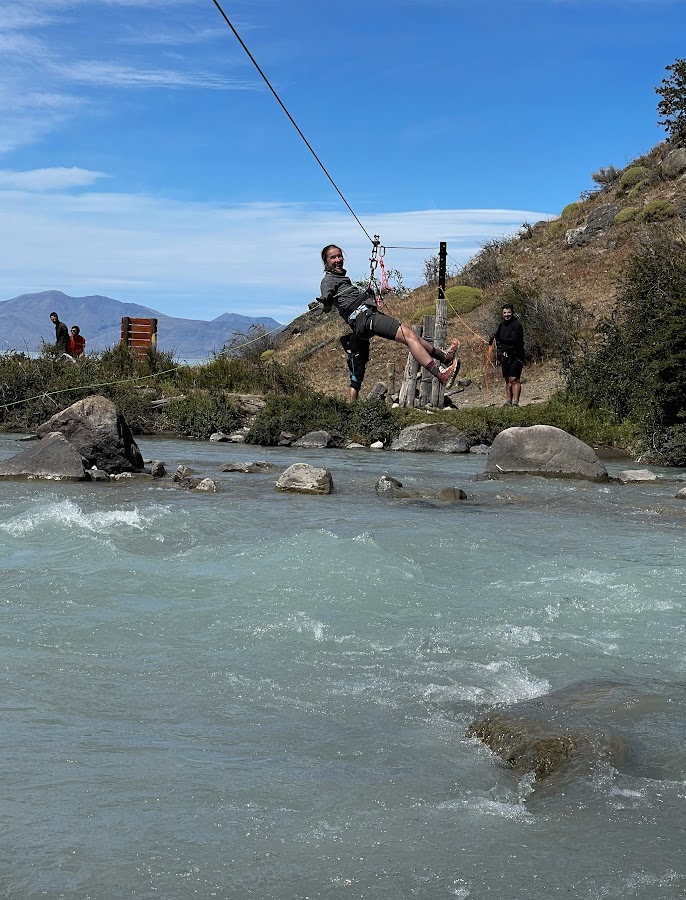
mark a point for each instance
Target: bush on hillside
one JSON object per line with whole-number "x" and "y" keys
{"x": 552, "y": 327}
{"x": 657, "y": 211}
{"x": 570, "y": 210}
{"x": 626, "y": 215}
{"x": 637, "y": 370}
{"x": 637, "y": 190}
{"x": 463, "y": 299}
{"x": 556, "y": 229}
{"x": 486, "y": 268}
{"x": 606, "y": 175}
{"x": 633, "y": 176}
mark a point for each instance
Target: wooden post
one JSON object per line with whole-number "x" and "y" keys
{"x": 390, "y": 377}
{"x": 425, "y": 385}
{"x": 138, "y": 334}
{"x": 441, "y": 327}
{"x": 408, "y": 389}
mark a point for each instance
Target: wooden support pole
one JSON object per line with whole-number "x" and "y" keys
{"x": 427, "y": 377}
{"x": 441, "y": 327}
{"x": 408, "y": 389}
{"x": 390, "y": 377}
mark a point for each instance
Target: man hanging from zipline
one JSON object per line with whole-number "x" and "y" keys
{"x": 358, "y": 307}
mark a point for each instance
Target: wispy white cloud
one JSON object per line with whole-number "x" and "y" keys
{"x": 54, "y": 179}
{"x": 112, "y": 75}
{"x": 202, "y": 259}
{"x": 171, "y": 37}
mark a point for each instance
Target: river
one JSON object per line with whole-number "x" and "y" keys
{"x": 251, "y": 694}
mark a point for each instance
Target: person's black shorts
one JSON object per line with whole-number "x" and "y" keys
{"x": 371, "y": 323}
{"x": 512, "y": 368}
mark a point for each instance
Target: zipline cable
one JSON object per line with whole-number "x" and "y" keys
{"x": 290, "y": 117}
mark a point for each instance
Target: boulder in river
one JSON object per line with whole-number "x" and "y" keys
{"x": 430, "y": 437}
{"x": 543, "y": 450}
{"x": 100, "y": 433}
{"x": 53, "y": 458}
{"x": 634, "y": 726}
{"x": 303, "y": 479}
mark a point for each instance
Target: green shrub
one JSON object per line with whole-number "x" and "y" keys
{"x": 32, "y": 390}
{"x": 669, "y": 446}
{"x": 486, "y": 268}
{"x": 633, "y": 175}
{"x": 570, "y": 210}
{"x": 657, "y": 211}
{"x": 463, "y": 299}
{"x": 606, "y": 175}
{"x": 421, "y": 312}
{"x": 480, "y": 425}
{"x": 638, "y": 189}
{"x": 551, "y": 326}
{"x": 201, "y": 414}
{"x": 556, "y": 229}
{"x": 367, "y": 420}
{"x": 637, "y": 368}
{"x": 626, "y": 215}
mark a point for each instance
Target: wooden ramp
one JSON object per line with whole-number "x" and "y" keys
{"x": 138, "y": 334}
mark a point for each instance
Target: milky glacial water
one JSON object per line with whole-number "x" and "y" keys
{"x": 259, "y": 695}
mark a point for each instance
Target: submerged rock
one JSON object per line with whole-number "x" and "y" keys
{"x": 577, "y": 728}
{"x": 248, "y": 468}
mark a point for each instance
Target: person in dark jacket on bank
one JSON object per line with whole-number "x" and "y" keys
{"x": 509, "y": 340}
{"x": 61, "y": 334}
{"x": 359, "y": 309}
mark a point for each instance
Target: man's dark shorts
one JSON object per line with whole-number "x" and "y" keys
{"x": 372, "y": 323}
{"x": 512, "y": 368}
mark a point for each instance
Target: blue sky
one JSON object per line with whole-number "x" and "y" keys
{"x": 142, "y": 157}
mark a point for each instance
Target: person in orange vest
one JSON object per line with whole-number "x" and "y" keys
{"x": 76, "y": 344}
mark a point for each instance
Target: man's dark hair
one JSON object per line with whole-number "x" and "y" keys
{"x": 508, "y": 306}
{"x": 53, "y": 313}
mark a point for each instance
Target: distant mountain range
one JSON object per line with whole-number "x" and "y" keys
{"x": 25, "y": 320}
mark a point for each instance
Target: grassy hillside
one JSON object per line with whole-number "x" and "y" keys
{"x": 573, "y": 264}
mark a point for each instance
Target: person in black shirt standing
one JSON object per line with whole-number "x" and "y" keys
{"x": 509, "y": 340}
{"x": 61, "y": 334}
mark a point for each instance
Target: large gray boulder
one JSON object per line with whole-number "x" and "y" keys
{"x": 53, "y": 458}
{"x": 674, "y": 163}
{"x": 429, "y": 437}
{"x": 303, "y": 479}
{"x": 99, "y": 431}
{"x": 543, "y": 450}
{"x": 314, "y": 440}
